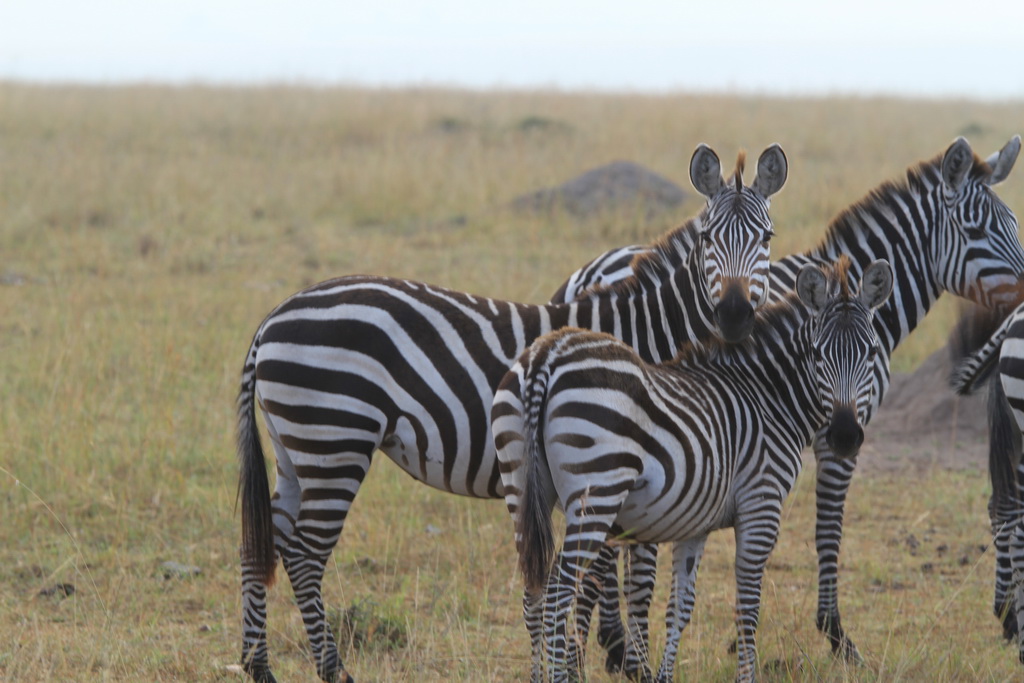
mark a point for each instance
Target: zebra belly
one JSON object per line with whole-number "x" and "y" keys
{"x": 446, "y": 445}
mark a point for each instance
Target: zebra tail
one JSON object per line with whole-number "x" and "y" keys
{"x": 974, "y": 347}
{"x": 253, "y": 485}
{"x": 537, "y": 541}
{"x": 1004, "y": 445}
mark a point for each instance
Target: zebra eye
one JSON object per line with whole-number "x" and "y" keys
{"x": 872, "y": 354}
{"x": 767, "y": 237}
{"x": 706, "y": 237}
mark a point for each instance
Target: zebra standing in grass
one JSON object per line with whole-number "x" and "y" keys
{"x": 669, "y": 453}
{"x": 944, "y": 228}
{"x": 1002, "y": 350}
{"x": 357, "y": 364}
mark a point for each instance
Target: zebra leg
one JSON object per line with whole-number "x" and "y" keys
{"x": 255, "y": 660}
{"x": 756, "y": 534}
{"x": 533, "y": 616}
{"x": 329, "y": 485}
{"x": 1017, "y": 559}
{"x": 833, "y": 483}
{"x": 610, "y": 634}
{"x": 685, "y": 561}
{"x": 592, "y": 590}
{"x": 1003, "y": 601}
{"x": 586, "y": 534}
{"x": 641, "y": 566}
{"x": 284, "y": 509}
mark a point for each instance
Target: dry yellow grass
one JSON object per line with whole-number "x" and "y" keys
{"x": 150, "y": 229}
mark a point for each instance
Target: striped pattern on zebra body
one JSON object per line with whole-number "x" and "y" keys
{"x": 668, "y": 453}
{"x": 359, "y": 364}
{"x": 1001, "y": 352}
{"x": 944, "y": 229}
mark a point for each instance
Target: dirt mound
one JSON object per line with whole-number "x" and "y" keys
{"x": 923, "y": 423}
{"x": 618, "y": 186}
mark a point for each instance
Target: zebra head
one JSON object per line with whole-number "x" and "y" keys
{"x": 843, "y": 346}
{"x": 735, "y": 231}
{"x": 979, "y": 254}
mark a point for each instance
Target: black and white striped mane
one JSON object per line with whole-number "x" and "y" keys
{"x": 920, "y": 179}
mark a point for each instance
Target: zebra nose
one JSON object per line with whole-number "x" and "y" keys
{"x": 734, "y": 315}
{"x": 844, "y": 435}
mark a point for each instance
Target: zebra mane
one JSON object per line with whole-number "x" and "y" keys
{"x": 920, "y": 178}
{"x": 662, "y": 258}
{"x": 741, "y": 162}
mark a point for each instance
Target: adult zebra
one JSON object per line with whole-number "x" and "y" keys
{"x": 944, "y": 228}
{"x": 669, "y": 453}
{"x": 357, "y": 364}
{"x": 1001, "y": 349}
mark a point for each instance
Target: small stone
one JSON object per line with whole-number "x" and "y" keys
{"x": 176, "y": 570}
{"x": 62, "y": 590}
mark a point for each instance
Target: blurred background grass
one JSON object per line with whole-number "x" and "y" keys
{"x": 146, "y": 231}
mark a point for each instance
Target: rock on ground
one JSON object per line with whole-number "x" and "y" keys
{"x": 923, "y": 423}
{"x": 617, "y": 186}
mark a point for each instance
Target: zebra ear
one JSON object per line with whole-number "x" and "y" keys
{"x": 1003, "y": 160}
{"x": 876, "y": 284}
{"x": 956, "y": 164}
{"x": 706, "y": 171}
{"x": 812, "y": 287}
{"x": 772, "y": 171}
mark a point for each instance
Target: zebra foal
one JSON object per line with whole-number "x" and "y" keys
{"x": 359, "y": 364}
{"x": 943, "y": 228}
{"x": 632, "y": 451}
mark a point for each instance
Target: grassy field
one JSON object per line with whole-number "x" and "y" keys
{"x": 145, "y": 232}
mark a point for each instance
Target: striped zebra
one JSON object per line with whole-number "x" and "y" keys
{"x": 943, "y": 228}
{"x": 359, "y": 364}
{"x": 1001, "y": 351}
{"x": 668, "y": 453}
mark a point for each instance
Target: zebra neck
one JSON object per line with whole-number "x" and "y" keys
{"x": 898, "y": 224}
{"x": 779, "y": 364}
{"x": 773, "y": 364}
{"x": 655, "y": 312}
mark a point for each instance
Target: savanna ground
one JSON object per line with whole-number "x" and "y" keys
{"x": 146, "y": 231}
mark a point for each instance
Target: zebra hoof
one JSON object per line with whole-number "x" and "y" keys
{"x": 338, "y": 676}
{"x": 331, "y": 670}
{"x": 615, "y": 660}
{"x": 1009, "y": 625}
{"x": 849, "y": 652}
{"x": 640, "y": 674}
{"x": 260, "y": 674}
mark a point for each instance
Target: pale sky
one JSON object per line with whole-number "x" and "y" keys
{"x": 914, "y": 48}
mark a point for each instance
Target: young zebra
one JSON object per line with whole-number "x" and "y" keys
{"x": 632, "y": 451}
{"x": 360, "y": 363}
{"x": 1002, "y": 350}
{"x": 944, "y": 228}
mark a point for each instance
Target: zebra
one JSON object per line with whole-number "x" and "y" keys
{"x": 944, "y": 228}
{"x": 1002, "y": 350}
{"x": 362, "y": 363}
{"x": 668, "y": 453}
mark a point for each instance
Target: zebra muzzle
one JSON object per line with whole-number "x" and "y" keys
{"x": 844, "y": 435}
{"x": 734, "y": 314}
